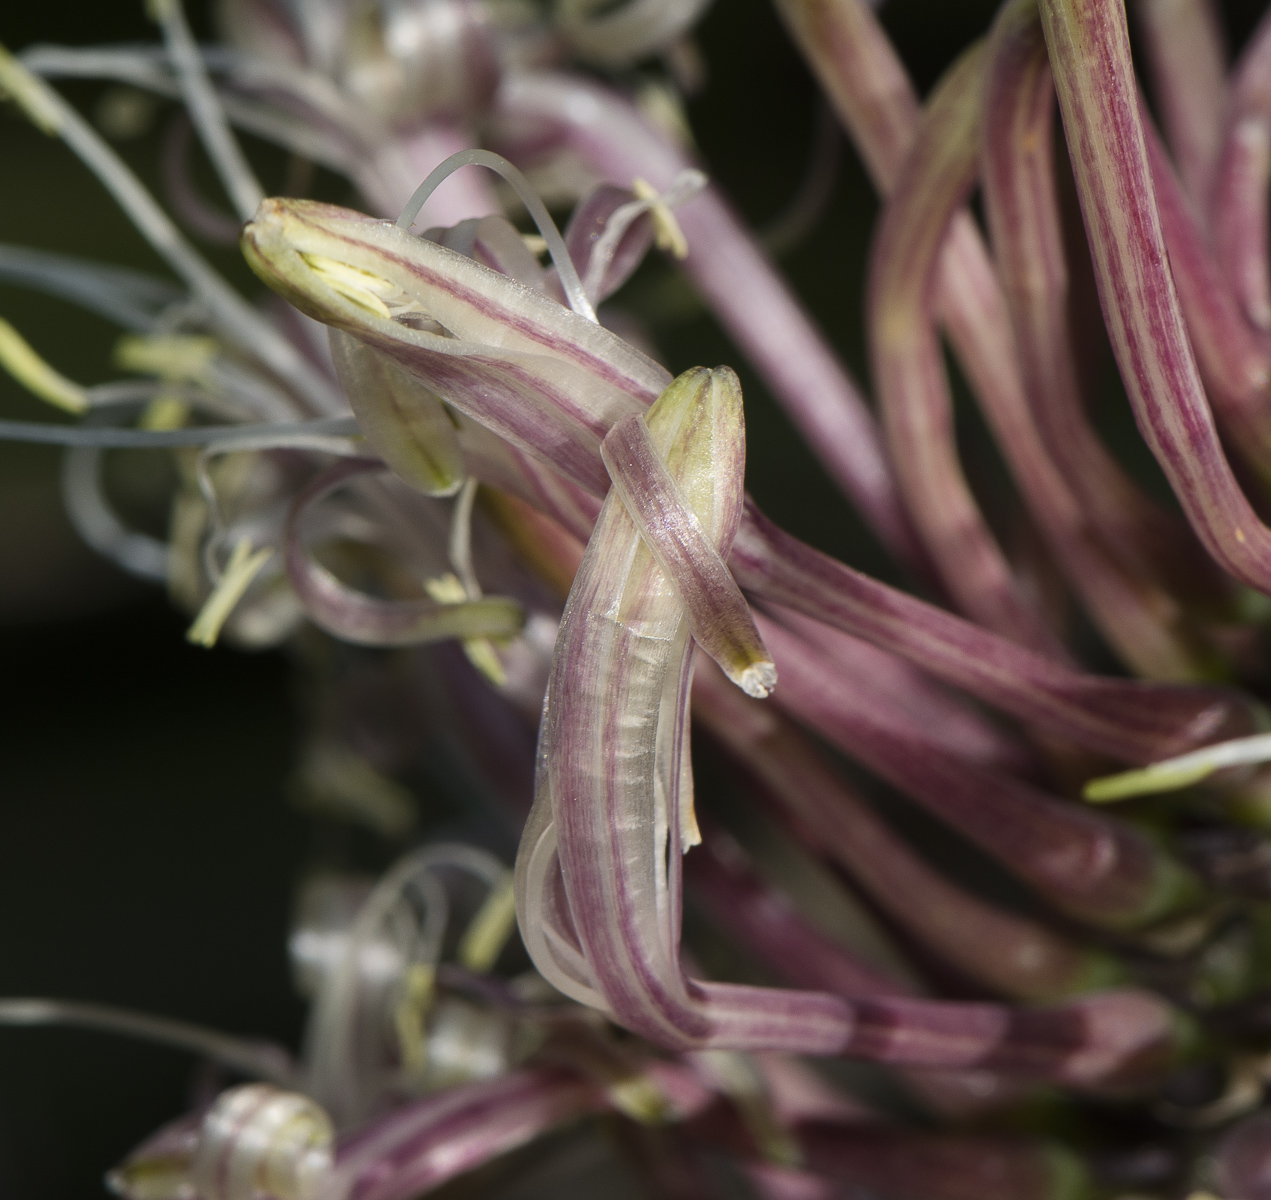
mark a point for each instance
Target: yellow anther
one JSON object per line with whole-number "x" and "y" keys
{"x": 29, "y": 369}
{"x": 165, "y": 412}
{"x": 489, "y": 930}
{"x": 535, "y": 243}
{"x": 481, "y": 654}
{"x": 361, "y": 287}
{"x": 667, "y": 232}
{"x": 242, "y": 568}
{"x": 640, "y": 1098}
{"x": 690, "y": 832}
{"x": 174, "y": 356}
{"x": 1144, "y": 781}
{"x": 30, "y": 94}
{"x": 411, "y": 1017}
{"x": 1170, "y": 774}
{"x": 446, "y": 589}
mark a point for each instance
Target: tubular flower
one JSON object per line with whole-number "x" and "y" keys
{"x": 769, "y": 812}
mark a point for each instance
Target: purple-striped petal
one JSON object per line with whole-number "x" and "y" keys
{"x": 717, "y": 612}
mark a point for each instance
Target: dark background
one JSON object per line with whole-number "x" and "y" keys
{"x": 147, "y": 848}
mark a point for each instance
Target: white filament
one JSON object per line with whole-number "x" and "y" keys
{"x": 128, "y": 298}
{"x": 327, "y": 434}
{"x": 206, "y": 112}
{"x": 333, "y": 1033}
{"x": 143, "y": 67}
{"x": 240, "y": 323}
{"x": 93, "y": 519}
{"x": 528, "y": 196}
{"x": 461, "y": 540}
{"x": 252, "y": 1058}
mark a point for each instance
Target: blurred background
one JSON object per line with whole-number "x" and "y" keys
{"x": 148, "y": 846}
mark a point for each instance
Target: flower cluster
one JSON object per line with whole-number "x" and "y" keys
{"x": 438, "y": 427}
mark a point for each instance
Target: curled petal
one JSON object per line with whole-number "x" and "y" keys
{"x": 402, "y": 419}
{"x": 355, "y": 617}
{"x": 604, "y": 252}
{"x": 610, "y": 798}
{"x": 538, "y": 375}
{"x": 718, "y": 613}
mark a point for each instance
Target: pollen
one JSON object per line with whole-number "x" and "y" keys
{"x": 668, "y": 234}
{"x": 361, "y": 287}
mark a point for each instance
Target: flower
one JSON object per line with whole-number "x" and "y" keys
{"x": 516, "y": 476}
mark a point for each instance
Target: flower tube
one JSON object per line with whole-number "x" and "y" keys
{"x": 1123, "y": 581}
{"x": 762, "y": 920}
{"x": 916, "y": 404}
{"x": 1090, "y": 56}
{"x": 949, "y": 718}
{"x": 1023, "y": 211}
{"x": 1103, "y": 873}
{"x": 1122, "y": 718}
{"x": 1007, "y": 952}
{"x": 877, "y": 104}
